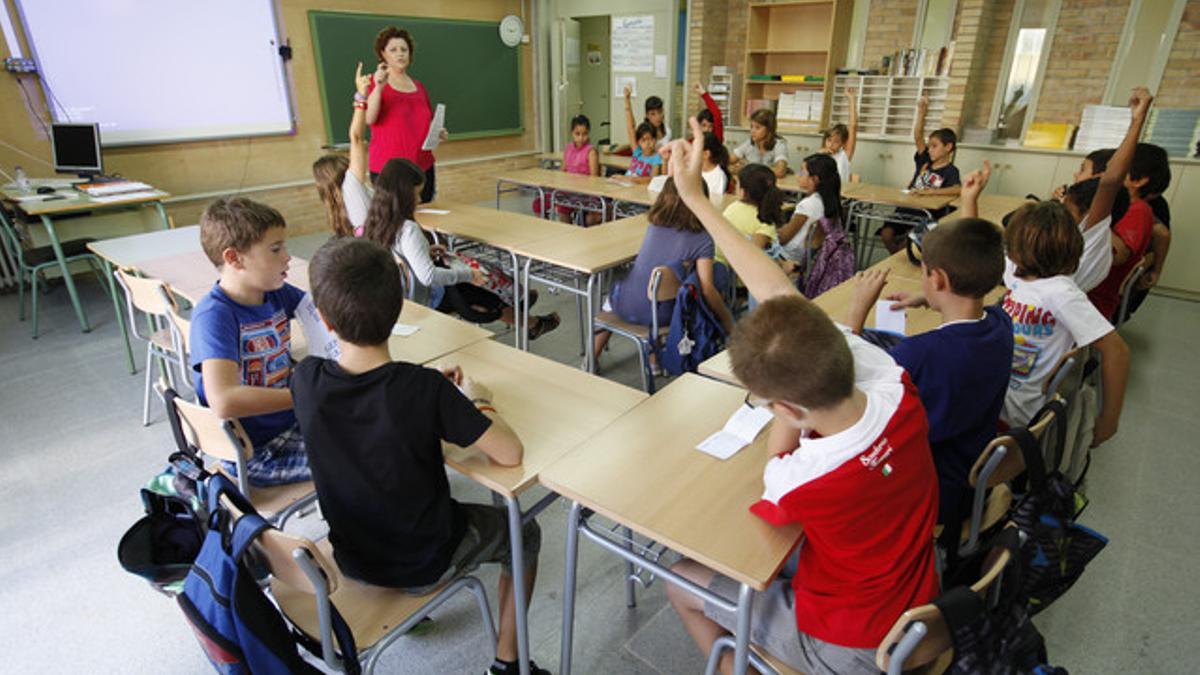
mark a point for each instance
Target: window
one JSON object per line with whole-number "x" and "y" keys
{"x": 1024, "y": 64}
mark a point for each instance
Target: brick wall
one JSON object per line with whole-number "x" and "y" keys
{"x": 1180, "y": 88}
{"x": 1080, "y": 59}
{"x": 889, "y": 27}
{"x": 301, "y": 208}
{"x": 985, "y": 69}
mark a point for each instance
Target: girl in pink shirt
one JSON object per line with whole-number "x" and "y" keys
{"x": 579, "y": 157}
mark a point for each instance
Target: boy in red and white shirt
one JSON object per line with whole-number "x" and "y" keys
{"x": 851, "y": 463}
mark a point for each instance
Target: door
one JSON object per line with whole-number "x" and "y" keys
{"x": 594, "y": 74}
{"x": 567, "y": 93}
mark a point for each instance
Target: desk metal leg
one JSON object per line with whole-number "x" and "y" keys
{"x": 520, "y": 304}
{"x": 116, "y": 299}
{"x": 516, "y": 544}
{"x": 589, "y": 345}
{"x": 523, "y": 329}
{"x": 630, "y": 588}
{"x": 568, "y": 620}
{"x": 741, "y": 652}
{"x": 162, "y": 213}
{"x": 66, "y": 273}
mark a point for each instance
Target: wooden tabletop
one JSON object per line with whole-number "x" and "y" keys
{"x": 75, "y": 201}
{"x": 644, "y": 472}
{"x": 606, "y": 159}
{"x": 894, "y": 196}
{"x": 613, "y": 188}
{"x": 552, "y": 408}
{"x": 501, "y": 229}
{"x": 991, "y": 207}
{"x": 131, "y": 250}
{"x": 591, "y": 249}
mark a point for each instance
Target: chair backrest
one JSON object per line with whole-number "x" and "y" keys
{"x": 181, "y": 324}
{"x": 276, "y": 548}
{"x": 1128, "y": 285}
{"x": 220, "y": 438}
{"x": 10, "y": 240}
{"x": 1064, "y": 373}
{"x": 936, "y": 640}
{"x": 1013, "y": 462}
{"x": 663, "y": 285}
{"x": 144, "y": 294}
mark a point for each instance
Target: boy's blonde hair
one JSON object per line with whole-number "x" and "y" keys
{"x": 1043, "y": 241}
{"x": 237, "y": 223}
{"x": 789, "y": 350}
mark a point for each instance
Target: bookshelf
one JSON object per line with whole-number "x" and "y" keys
{"x": 720, "y": 87}
{"x": 887, "y": 105}
{"x": 793, "y": 50}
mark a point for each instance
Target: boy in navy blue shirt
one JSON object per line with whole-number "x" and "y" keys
{"x": 240, "y": 339}
{"x": 961, "y": 369}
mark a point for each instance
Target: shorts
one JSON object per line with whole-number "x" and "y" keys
{"x": 279, "y": 461}
{"x": 485, "y": 540}
{"x": 773, "y": 627}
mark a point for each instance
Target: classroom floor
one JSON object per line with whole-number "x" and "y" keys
{"x": 74, "y": 455}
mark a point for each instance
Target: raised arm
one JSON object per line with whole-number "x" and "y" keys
{"x": 972, "y": 186}
{"x": 358, "y": 128}
{"x": 713, "y": 109}
{"x": 630, "y": 123}
{"x": 919, "y": 124}
{"x": 852, "y": 136}
{"x": 375, "y": 100}
{"x": 762, "y": 276}
{"x": 1112, "y": 180}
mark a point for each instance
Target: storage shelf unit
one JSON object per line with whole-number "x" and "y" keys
{"x": 720, "y": 87}
{"x": 807, "y": 38}
{"x": 887, "y": 105}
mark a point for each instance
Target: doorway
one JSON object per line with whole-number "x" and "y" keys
{"x": 583, "y": 45}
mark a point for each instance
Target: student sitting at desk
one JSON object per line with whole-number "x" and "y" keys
{"x": 240, "y": 337}
{"x": 374, "y": 430}
{"x": 646, "y": 162}
{"x": 342, "y": 183}
{"x": 710, "y": 118}
{"x": 935, "y": 173}
{"x": 765, "y": 146}
{"x": 459, "y": 284}
{"x": 961, "y": 368}
{"x": 716, "y": 169}
{"x": 851, "y": 462}
{"x": 840, "y": 140}
{"x": 580, "y": 158}
{"x": 758, "y": 209}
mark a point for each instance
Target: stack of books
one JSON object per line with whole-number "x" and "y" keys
{"x": 800, "y": 106}
{"x": 920, "y": 62}
{"x": 1176, "y": 130}
{"x": 1102, "y": 126}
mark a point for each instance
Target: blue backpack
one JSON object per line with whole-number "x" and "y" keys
{"x": 695, "y": 334}
{"x": 238, "y": 627}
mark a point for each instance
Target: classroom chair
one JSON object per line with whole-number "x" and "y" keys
{"x": 34, "y": 261}
{"x": 1129, "y": 287}
{"x": 1000, "y": 462}
{"x": 226, "y": 441}
{"x": 305, "y": 583}
{"x": 164, "y": 340}
{"x": 920, "y": 640}
{"x": 664, "y": 285}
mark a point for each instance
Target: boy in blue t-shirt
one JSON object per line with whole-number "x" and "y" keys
{"x": 240, "y": 336}
{"x": 961, "y": 369}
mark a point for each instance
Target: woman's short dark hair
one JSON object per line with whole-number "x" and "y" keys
{"x": 391, "y": 33}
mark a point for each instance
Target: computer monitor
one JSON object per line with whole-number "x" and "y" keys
{"x": 77, "y": 149}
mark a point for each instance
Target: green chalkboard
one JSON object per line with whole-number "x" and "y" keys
{"x": 462, "y": 64}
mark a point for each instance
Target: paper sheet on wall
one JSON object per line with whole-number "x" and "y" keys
{"x": 633, "y": 44}
{"x": 741, "y": 430}
{"x": 321, "y": 342}
{"x": 619, "y": 83}
{"x": 888, "y": 320}
{"x": 660, "y": 65}
{"x": 435, "y": 128}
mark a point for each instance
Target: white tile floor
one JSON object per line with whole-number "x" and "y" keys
{"x": 73, "y": 456}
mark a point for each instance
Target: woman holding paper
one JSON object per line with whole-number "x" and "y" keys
{"x": 398, "y": 109}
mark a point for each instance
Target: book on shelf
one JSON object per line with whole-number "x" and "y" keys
{"x": 920, "y": 62}
{"x": 1176, "y": 130}
{"x": 753, "y": 104}
{"x": 1102, "y": 126}
{"x": 1053, "y": 135}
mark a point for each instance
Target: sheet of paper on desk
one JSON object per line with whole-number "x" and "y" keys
{"x": 888, "y": 320}
{"x": 435, "y": 128}
{"x": 434, "y": 212}
{"x": 741, "y": 430}
{"x": 321, "y": 342}
{"x": 404, "y": 329}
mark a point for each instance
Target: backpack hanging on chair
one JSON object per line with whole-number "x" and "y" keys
{"x": 695, "y": 333}
{"x": 834, "y": 262}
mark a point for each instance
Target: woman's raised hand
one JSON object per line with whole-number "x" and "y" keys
{"x": 381, "y": 74}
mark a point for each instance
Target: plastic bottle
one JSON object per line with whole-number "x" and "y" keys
{"x": 22, "y": 180}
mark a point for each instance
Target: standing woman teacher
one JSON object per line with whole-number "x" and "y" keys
{"x": 398, "y": 109}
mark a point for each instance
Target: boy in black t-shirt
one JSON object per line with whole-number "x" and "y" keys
{"x": 373, "y": 429}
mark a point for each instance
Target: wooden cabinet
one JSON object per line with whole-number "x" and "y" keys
{"x": 1182, "y": 273}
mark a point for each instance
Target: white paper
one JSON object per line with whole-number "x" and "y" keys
{"x": 434, "y": 212}
{"x": 321, "y": 342}
{"x": 888, "y": 320}
{"x": 740, "y": 430}
{"x": 622, "y": 183}
{"x": 620, "y": 82}
{"x": 573, "y": 50}
{"x": 632, "y": 44}
{"x": 660, "y": 65}
{"x": 404, "y": 329}
{"x": 435, "y": 128}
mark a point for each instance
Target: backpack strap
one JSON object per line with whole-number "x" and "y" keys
{"x": 1059, "y": 408}
{"x": 181, "y": 442}
{"x": 1035, "y": 465}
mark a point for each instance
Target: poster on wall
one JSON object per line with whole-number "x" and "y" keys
{"x": 633, "y": 44}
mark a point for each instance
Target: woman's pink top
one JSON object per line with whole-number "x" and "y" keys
{"x": 401, "y": 127}
{"x": 575, "y": 160}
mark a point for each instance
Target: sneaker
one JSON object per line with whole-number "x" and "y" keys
{"x": 510, "y": 668}
{"x": 544, "y": 324}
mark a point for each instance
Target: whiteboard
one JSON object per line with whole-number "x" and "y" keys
{"x": 149, "y": 71}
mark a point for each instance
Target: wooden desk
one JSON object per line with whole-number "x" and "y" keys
{"x": 644, "y": 472}
{"x": 552, "y": 408}
{"x": 609, "y": 191}
{"x": 588, "y": 251}
{"x": 46, "y": 211}
{"x": 894, "y": 196}
{"x": 991, "y": 207}
{"x": 553, "y": 160}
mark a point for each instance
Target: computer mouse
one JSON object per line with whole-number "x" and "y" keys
{"x": 45, "y": 190}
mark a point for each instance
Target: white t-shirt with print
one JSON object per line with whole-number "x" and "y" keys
{"x": 1050, "y": 317}
{"x": 812, "y": 208}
